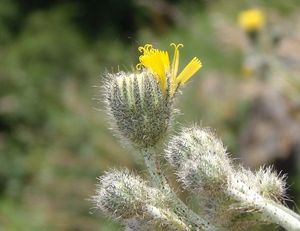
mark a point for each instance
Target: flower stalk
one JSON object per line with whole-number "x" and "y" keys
{"x": 277, "y": 213}
{"x": 152, "y": 162}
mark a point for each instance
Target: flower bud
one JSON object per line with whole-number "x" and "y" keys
{"x": 121, "y": 194}
{"x": 270, "y": 184}
{"x": 126, "y": 197}
{"x": 206, "y": 175}
{"x": 193, "y": 143}
{"x": 140, "y": 111}
{"x": 264, "y": 182}
{"x": 200, "y": 159}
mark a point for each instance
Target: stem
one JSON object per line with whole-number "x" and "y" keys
{"x": 273, "y": 211}
{"x": 154, "y": 170}
{"x": 286, "y": 212}
{"x": 165, "y": 217}
{"x": 158, "y": 179}
{"x": 291, "y": 212}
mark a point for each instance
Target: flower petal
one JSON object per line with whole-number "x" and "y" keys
{"x": 190, "y": 69}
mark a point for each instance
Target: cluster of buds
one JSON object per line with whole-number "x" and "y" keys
{"x": 227, "y": 190}
{"x": 140, "y": 106}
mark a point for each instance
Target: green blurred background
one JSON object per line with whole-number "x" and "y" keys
{"x": 54, "y": 136}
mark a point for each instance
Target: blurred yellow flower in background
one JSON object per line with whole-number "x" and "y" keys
{"x": 251, "y": 20}
{"x": 158, "y": 63}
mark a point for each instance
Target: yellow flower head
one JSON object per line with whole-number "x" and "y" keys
{"x": 251, "y": 20}
{"x": 158, "y": 63}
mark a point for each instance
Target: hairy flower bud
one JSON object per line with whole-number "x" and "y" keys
{"x": 127, "y": 197}
{"x": 121, "y": 194}
{"x": 141, "y": 112}
{"x": 193, "y": 143}
{"x": 205, "y": 175}
{"x": 200, "y": 159}
{"x": 270, "y": 184}
{"x": 264, "y": 182}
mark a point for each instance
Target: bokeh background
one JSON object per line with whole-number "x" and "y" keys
{"x": 54, "y": 137}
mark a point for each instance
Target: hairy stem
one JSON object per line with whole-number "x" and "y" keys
{"x": 270, "y": 209}
{"x": 158, "y": 179}
{"x": 165, "y": 218}
{"x": 153, "y": 166}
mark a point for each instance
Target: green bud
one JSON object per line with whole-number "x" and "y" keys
{"x": 207, "y": 175}
{"x": 264, "y": 182}
{"x": 270, "y": 184}
{"x": 139, "y": 110}
{"x": 193, "y": 143}
{"x": 120, "y": 194}
{"x": 200, "y": 159}
{"x": 127, "y": 198}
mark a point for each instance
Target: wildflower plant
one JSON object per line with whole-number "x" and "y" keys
{"x": 140, "y": 105}
{"x": 258, "y": 58}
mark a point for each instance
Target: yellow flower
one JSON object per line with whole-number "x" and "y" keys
{"x": 251, "y": 20}
{"x": 158, "y": 63}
